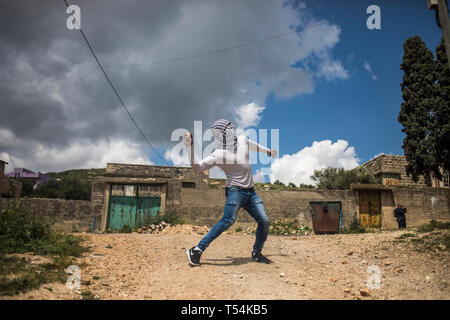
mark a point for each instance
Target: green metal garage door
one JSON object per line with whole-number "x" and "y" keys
{"x": 146, "y": 208}
{"x": 128, "y": 208}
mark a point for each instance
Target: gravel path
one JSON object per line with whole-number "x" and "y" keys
{"x": 154, "y": 266}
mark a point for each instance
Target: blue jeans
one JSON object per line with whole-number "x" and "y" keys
{"x": 252, "y": 203}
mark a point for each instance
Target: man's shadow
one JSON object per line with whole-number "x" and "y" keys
{"x": 228, "y": 262}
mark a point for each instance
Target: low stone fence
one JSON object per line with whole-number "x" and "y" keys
{"x": 69, "y": 215}
{"x": 206, "y": 207}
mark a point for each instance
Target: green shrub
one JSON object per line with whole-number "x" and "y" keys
{"x": 172, "y": 217}
{"x": 22, "y": 231}
{"x": 433, "y": 225}
{"x": 287, "y": 226}
{"x": 88, "y": 295}
{"x": 340, "y": 179}
{"x": 354, "y": 227}
{"x": 284, "y": 226}
{"x": 407, "y": 235}
{"x": 125, "y": 229}
{"x": 68, "y": 188}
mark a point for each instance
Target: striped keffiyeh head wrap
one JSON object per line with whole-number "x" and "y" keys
{"x": 225, "y": 133}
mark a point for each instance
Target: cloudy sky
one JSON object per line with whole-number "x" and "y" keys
{"x": 330, "y": 85}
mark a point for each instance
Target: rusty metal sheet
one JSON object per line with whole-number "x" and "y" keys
{"x": 325, "y": 216}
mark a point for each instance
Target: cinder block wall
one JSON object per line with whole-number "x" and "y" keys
{"x": 423, "y": 205}
{"x": 206, "y": 206}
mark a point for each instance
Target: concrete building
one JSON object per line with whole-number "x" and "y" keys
{"x": 129, "y": 193}
{"x": 391, "y": 171}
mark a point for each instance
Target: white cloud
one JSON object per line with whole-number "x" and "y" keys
{"x": 12, "y": 162}
{"x": 332, "y": 69}
{"x": 90, "y": 155}
{"x": 298, "y": 167}
{"x": 318, "y": 42}
{"x": 79, "y": 155}
{"x": 368, "y": 68}
{"x": 8, "y": 139}
{"x": 67, "y": 131}
{"x": 319, "y": 39}
{"x": 259, "y": 177}
{"x": 178, "y": 158}
{"x": 248, "y": 115}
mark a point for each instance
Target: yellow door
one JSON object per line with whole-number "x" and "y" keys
{"x": 370, "y": 209}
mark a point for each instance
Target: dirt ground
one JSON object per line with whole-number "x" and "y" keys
{"x": 154, "y": 266}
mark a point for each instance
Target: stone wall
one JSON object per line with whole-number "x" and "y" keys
{"x": 204, "y": 203}
{"x": 391, "y": 170}
{"x": 69, "y": 215}
{"x": 206, "y": 207}
{"x": 165, "y": 172}
{"x": 423, "y": 205}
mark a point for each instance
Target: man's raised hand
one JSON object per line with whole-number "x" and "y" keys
{"x": 188, "y": 141}
{"x": 273, "y": 153}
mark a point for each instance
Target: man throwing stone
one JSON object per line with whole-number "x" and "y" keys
{"x": 232, "y": 156}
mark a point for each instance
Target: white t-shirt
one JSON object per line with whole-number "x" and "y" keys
{"x": 236, "y": 165}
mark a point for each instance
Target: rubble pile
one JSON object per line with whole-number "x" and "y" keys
{"x": 153, "y": 228}
{"x": 284, "y": 226}
{"x": 164, "y": 227}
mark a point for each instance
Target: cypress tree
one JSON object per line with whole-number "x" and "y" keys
{"x": 440, "y": 126}
{"x": 415, "y": 114}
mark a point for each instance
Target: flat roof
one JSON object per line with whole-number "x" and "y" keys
{"x": 363, "y": 186}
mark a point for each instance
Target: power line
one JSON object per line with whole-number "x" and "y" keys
{"x": 281, "y": 35}
{"x": 165, "y": 62}
{"x": 117, "y": 94}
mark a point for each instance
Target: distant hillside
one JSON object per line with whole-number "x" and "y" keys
{"x": 70, "y": 185}
{"x": 86, "y": 175}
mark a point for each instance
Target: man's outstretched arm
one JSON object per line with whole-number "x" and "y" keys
{"x": 253, "y": 146}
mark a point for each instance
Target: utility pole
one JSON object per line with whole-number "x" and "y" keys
{"x": 443, "y": 21}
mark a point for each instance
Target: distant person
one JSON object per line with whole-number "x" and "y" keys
{"x": 232, "y": 156}
{"x": 403, "y": 217}
{"x": 399, "y": 214}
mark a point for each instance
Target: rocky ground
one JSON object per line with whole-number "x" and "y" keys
{"x": 154, "y": 266}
